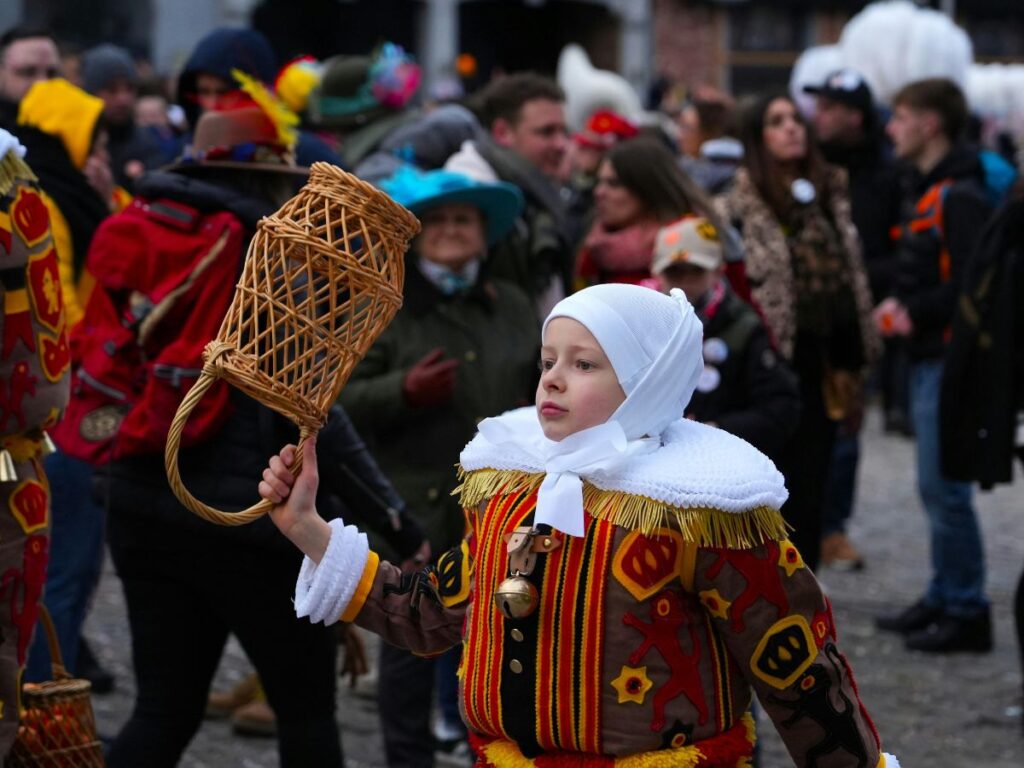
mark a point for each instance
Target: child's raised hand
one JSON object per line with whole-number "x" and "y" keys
{"x": 294, "y": 498}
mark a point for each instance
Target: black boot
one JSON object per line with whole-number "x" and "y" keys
{"x": 951, "y": 634}
{"x": 917, "y": 617}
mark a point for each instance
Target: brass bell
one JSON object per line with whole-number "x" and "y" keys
{"x": 516, "y": 598}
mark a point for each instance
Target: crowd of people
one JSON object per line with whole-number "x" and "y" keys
{"x": 830, "y": 259}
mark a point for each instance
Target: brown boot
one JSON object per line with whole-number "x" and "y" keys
{"x": 254, "y": 719}
{"x": 220, "y": 704}
{"x": 838, "y": 552}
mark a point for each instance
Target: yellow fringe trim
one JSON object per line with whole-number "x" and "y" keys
{"x": 703, "y": 526}
{"x": 681, "y": 757}
{"x": 13, "y": 170}
{"x": 505, "y": 754}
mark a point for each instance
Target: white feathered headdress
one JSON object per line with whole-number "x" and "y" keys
{"x": 588, "y": 89}
{"x": 895, "y": 43}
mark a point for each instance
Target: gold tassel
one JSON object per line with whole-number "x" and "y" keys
{"x": 704, "y": 526}
{"x": 12, "y": 171}
{"x": 8, "y": 474}
{"x": 48, "y": 446}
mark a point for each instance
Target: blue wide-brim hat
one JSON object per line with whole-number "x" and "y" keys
{"x": 419, "y": 191}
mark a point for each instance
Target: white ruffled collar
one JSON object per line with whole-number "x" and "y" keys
{"x": 695, "y": 467}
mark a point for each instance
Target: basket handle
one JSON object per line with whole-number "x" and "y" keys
{"x": 257, "y": 510}
{"x": 60, "y": 672}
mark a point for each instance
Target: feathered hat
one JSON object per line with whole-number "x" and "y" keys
{"x": 895, "y": 43}
{"x": 588, "y": 89}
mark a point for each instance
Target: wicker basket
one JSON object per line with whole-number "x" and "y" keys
{"x": 322, "y": 279}
{"x": 57, "y": 728}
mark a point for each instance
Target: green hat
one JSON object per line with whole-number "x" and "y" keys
{"x": 356, "y": 90}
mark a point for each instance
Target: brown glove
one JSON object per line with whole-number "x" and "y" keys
{"x": 431, "y": 381}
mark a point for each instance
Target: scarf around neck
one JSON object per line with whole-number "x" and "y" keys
{"x": 691, "y": 468}
{"x": 623, "y": 250}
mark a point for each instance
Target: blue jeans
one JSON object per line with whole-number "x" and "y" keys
{"x": 76, "y": 556}
{"x": 842, "y": 484}
{"x": 958, "y": 558}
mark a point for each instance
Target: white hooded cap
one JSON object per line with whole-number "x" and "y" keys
{"x": 653, "y": 342}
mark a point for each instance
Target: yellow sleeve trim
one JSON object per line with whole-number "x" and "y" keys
{"x": 363, "y": 590}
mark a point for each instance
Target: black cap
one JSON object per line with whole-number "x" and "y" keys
{"x": 845, "y": 86}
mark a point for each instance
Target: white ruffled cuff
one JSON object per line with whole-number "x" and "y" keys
{"x": 322, "y": 592}
{"x": 891, "y": 761}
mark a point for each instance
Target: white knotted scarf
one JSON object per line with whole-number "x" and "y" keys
{"x": 653, "y": 343}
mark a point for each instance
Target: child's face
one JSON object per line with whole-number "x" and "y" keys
{"x": 692, "y": 280}
{"x": 578, "y": 387}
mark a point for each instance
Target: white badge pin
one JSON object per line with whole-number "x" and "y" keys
{"x": 803, "y": 191}
{"x": 715, "y": 351}
{"x": 709, "y": 379}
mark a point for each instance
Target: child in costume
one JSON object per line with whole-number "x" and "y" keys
{"x": 625, "y": 580}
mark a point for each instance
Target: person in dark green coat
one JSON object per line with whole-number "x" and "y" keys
{"x": 462, "y": 348}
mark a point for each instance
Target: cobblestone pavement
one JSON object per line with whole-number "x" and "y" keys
{"x": 954, "y": 711}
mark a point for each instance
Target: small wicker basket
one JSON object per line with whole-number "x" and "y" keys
{"x": 322, "y": 279}
{"x": 57, "y": 728}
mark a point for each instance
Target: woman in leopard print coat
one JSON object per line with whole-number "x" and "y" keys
{"x": 804, "y": 265}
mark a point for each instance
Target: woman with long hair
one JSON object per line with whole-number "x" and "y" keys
{"x": 804, "y": 265}
{"x": 640, "y": 188}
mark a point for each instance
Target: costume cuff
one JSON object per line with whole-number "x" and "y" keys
{"x": 363, "y": 589}
{"x": 323, "y": 592}
{"x": 889, "y": 761}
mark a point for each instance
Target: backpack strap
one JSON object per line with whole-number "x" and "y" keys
{"x": 929, "y": 216}
{"x": 737, "y": 334}
{"x": 157, "y": 312}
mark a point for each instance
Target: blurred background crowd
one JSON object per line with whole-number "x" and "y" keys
{"x": 834, "y": 187}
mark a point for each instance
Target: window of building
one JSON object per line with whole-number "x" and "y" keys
{"x": 763, "y": 44}
{"x": 996, "y": 39}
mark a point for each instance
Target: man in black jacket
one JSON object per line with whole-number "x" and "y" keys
{"x": 983, "y": 387}
{"x": 945, "y": 209}
{"x": 847, "y": 126}
{"x": 109, "y": 72}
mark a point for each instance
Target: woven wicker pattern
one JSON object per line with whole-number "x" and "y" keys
{"x": 57, "y": 727}
{"x": 322, "y": 279}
